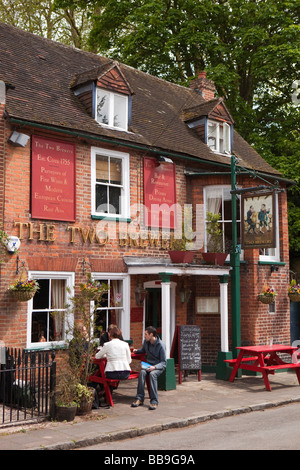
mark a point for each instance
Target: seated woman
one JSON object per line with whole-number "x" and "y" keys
{"x": 105, "y": 336}
{"x": 118, "y": 356}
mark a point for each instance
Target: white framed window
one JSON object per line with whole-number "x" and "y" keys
{"x": 112, "y": 109}
{"x": 48, "y": 324}
{"x": 272, "y": 254}
{"x": 115, "y": 304}
{"x": 219, "y": 136}
{"x": 110, "y": 183}
{"x": 217, "y": 199}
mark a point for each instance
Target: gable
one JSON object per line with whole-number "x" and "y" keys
{"x": 214, "y": 109}
{"x": 221, "y": 113}
{"x": 114, "y": 81}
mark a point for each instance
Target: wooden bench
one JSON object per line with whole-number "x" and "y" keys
{"x": 99, "y": 377}
{"x": 232, "y": 362}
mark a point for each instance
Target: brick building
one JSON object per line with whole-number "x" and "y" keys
{"x": 93, "y": 154}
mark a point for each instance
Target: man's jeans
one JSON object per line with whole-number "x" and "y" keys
{"x": 153, "y": 375}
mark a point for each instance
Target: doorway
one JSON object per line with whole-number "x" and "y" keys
{"x": 152, "y": 307}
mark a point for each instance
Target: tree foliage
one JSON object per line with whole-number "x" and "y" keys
{"x": 65, "y": 25}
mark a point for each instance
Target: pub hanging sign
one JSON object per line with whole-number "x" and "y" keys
{"x": 258, "y": 221}
{"x": 53, "y": 180}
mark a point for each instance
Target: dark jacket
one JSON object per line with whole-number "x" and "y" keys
{"x": 155, "y": 353}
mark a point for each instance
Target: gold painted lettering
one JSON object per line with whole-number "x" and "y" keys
{"x": 73, "y": 230}
{"x": 50, "y": 233}
{"x": 21, "y": 226}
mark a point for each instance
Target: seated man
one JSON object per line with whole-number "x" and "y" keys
{"x": 156, "y": 356}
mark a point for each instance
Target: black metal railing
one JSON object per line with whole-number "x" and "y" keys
{"x": 26, "y": 382}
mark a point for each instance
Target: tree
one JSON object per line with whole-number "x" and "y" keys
{"x": 39, "y": 17}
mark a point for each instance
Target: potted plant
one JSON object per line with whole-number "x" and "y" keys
{"x": 22, "y": 291}
{"x": 180, "y": 248}
{"x": 85, "y": 398}
{"x": 65, "y": 395}
{"x": 82, "y": 345}
{"x": 268, "y": 295}
{"x": 215, "y": 253}
{"x": 294, "y": 291}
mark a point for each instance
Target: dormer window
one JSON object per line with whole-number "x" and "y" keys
{"x": 112, "y": 109}
{"x": 219, "y": 136}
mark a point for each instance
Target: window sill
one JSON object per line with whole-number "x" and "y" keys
{"x": 46, "y": 347}
{"x": 277, "y": 263}
{"x": 117, "y": 218}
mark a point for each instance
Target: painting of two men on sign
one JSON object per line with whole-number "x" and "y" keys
{"x": 258, "y": 221}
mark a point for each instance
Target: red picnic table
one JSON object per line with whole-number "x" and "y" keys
{"x": 264, "y": 359}
{"x": 99, "y": 376}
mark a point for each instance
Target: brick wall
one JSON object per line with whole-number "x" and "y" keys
{"x": 64, "y": 255}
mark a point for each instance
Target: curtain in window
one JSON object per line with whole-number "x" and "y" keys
{"x": 213, "y": 203}
{"x": 57, "y": 303}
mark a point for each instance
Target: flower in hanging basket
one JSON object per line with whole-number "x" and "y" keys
{"x": 93, "y": 290}
{"x": 24, "y": 290}
{"x": 267, "y": 296}
{"x": 294, "y": 291}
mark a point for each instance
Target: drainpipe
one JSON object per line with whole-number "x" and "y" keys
{"x": 235, "y": 264}
{"x": 2, "y": 147}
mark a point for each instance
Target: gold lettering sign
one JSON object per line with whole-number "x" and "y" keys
{"x": 47, "y": 233}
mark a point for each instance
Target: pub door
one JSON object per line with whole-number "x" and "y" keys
{"x": 153, "y": 309}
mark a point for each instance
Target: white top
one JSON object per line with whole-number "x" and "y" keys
{"x": 117, "y": 353}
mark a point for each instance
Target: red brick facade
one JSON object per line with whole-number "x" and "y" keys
{"x": 64, "y": 255}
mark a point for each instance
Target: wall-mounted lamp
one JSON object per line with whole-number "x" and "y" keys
{"x": 140, "y": 294}
{"x": 185, "y": 294}
{"x": 274, "y": 268}
{"x": 162, "y": 159}
{"x": 18, "y": 139}
{"x": 12, "y": 244}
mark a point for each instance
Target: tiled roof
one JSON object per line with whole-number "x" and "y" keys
{"x": 43, "y": 72}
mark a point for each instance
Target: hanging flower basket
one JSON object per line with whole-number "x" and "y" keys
{"x": 294, "y": 297}
{"x": 294, "y": 291}
{"x": 93, "y": 290}
{"x": 22, "y": 291}
{"x": 267, "y": 296}
{"x": 266, "y": 299}
{"x": 22, "y": 296}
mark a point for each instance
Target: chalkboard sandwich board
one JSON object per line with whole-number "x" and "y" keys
{"x": 186, "y": 349}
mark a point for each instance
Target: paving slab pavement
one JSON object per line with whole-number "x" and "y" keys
{"x": 192, "y": 402}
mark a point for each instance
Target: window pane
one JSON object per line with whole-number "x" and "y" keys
{"x": 212, "y": 136}
{"x": 101, "y": 198}
{"x": 42, "y": 327}
{"x": 120, "y": 118}
{"x": 227, "y": 146}
{"x": 114, "y": 200}
{"x": 58, "y": 289}
{"x": 41, "y": 298}
{"x": 115, "y": 170}
{"x": 116, "y": 293}
{"x": 103, "y": 106}
{"x": 102, "y": 169}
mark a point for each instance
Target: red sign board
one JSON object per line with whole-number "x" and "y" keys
{"x": 159, "y": 194}
{"x": 53, "y": 180}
